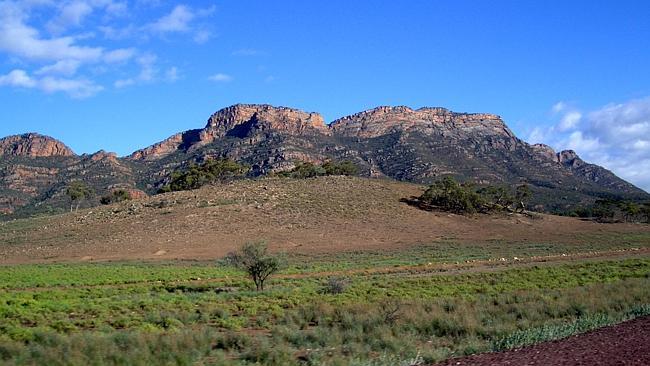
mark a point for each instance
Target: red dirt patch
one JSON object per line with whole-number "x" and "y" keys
{"x": 623, "y": 344}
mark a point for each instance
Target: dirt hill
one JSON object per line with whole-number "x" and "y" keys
{"x": 321, "y": 215}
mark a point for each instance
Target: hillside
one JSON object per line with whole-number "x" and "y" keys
{"x": 321, "y": 215}
{"x": 386, "y": 142}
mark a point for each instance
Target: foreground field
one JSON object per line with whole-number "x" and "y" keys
{"x": 369, "y": 280}
{"x": 205, "y": 313}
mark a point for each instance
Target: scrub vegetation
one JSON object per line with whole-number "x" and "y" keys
{"x": 376, "y": 312}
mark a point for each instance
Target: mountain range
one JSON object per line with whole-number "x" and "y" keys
{"x": 415, "y": 145}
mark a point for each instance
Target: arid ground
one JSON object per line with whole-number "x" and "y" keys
{"x": 327, "y": 215}
{"x": 368, "y": 280}
{"x": 627, "y": 343}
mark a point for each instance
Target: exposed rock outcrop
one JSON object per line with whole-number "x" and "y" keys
{"x": 384, "y": 120}
{"x": 239, "y": 120}
{"x": 33, "y": 145}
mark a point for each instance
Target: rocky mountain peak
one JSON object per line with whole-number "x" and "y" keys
{"x": 33, "y": 145}
{"x": 103, "y": 155}
{"x": 545, "y": 151}
{"x": 239, "y": 120}
{"x": 569, "y": 158}
{"x": 279, "y": 118}
{"x": 384, "y": 120}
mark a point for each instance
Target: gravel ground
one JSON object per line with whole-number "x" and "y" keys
{"x": 623, "y": 344}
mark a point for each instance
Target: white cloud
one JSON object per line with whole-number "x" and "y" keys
{"x": 18, "y": 78}
{"x": 182, "y": 19}
{"x": 177, "y": 21}
{"x": 71, "y": 14}
{"x": 54, "y": 43}
{"x": 579, "y": 142}
{"x": 120, "y": 55}
{"x": 63, "y": 67}
{"x": 616, "y": 136}
{"x": 21, "y": 40}
{"x": 116, "y": 34}
{"x": 117, "y": 9}
{"x": 76, "y": 88}
{"x": 202, "y": 36}
{"x": 148, "y": 69}
{"x": 569, "y": 121}
{"x": 558, "y": 107}
{"x": 122, "y": 83}
{"x": 148, "y": 72}
{"x": 220, "y": 78}
{"x": 171, "y": 75}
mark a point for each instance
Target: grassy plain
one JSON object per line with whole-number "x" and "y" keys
{"x": 140, "y": 283}
{"x": 390, "y": 312}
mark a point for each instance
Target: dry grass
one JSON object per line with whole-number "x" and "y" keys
{"x": 322, "y": 215}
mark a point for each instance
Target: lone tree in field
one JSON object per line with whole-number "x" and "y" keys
{"x": 78, "y": 191}
{"x": 256, "y": 261}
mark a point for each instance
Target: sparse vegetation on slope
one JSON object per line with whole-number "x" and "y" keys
{"x": 464, "y": 198}
{"x": 210, "y": 171}
{"x": 615, "y": 210}
{"x": 309, "y": 170}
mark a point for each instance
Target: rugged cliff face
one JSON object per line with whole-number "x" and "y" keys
{"x": 418, "y": 145}
{"x": 439, "y": 121}
{"x": 239, "y": 120}
{"x": 33, "y": 145}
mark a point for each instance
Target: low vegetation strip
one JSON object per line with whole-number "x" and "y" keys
{"x": 583, "y": 324}
{"x": 371, "y": 317}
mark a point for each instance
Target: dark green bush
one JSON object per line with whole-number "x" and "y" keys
{"x": 310, "y": 170}
{"x": 463, "y": 198}
{"x": 116, "y": 196}
{"x": 210, "y": 171}
{"x": 449, "y": 195}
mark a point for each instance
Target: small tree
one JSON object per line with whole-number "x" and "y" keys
{"x": 78, "y": 191}
{"x": 449, "y": 195}
{"x": 522, "y": 194}
{"x": 341, "y": 168}
{"x": 254, "y": 258}
{"x": 497, "y": 197}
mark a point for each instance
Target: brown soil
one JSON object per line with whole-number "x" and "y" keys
{"x": 323, "y": 215}
{"x": 623, "y": 344}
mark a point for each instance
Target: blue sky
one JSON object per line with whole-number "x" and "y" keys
{"x": 120, "y": 75}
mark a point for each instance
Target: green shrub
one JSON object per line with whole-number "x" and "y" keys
{"x": 335, "y": 285}
{"x": 118, "y": 195}
{"x": 463, "y": 198}
{"x": 449, "y": 195}
{"x": 210, "y": 171}
{"x": 310, "y": 170}
{"x": 256, "y": 261}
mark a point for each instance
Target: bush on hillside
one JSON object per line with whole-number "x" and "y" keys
{"x": 210, "y": 171}
{"x": 118, "y": 195}
{"x": 464, "y": 198}
{"x": 614, "y": 210}
{"x": 449, "y": 195}
{"x": 310, "y": 170}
